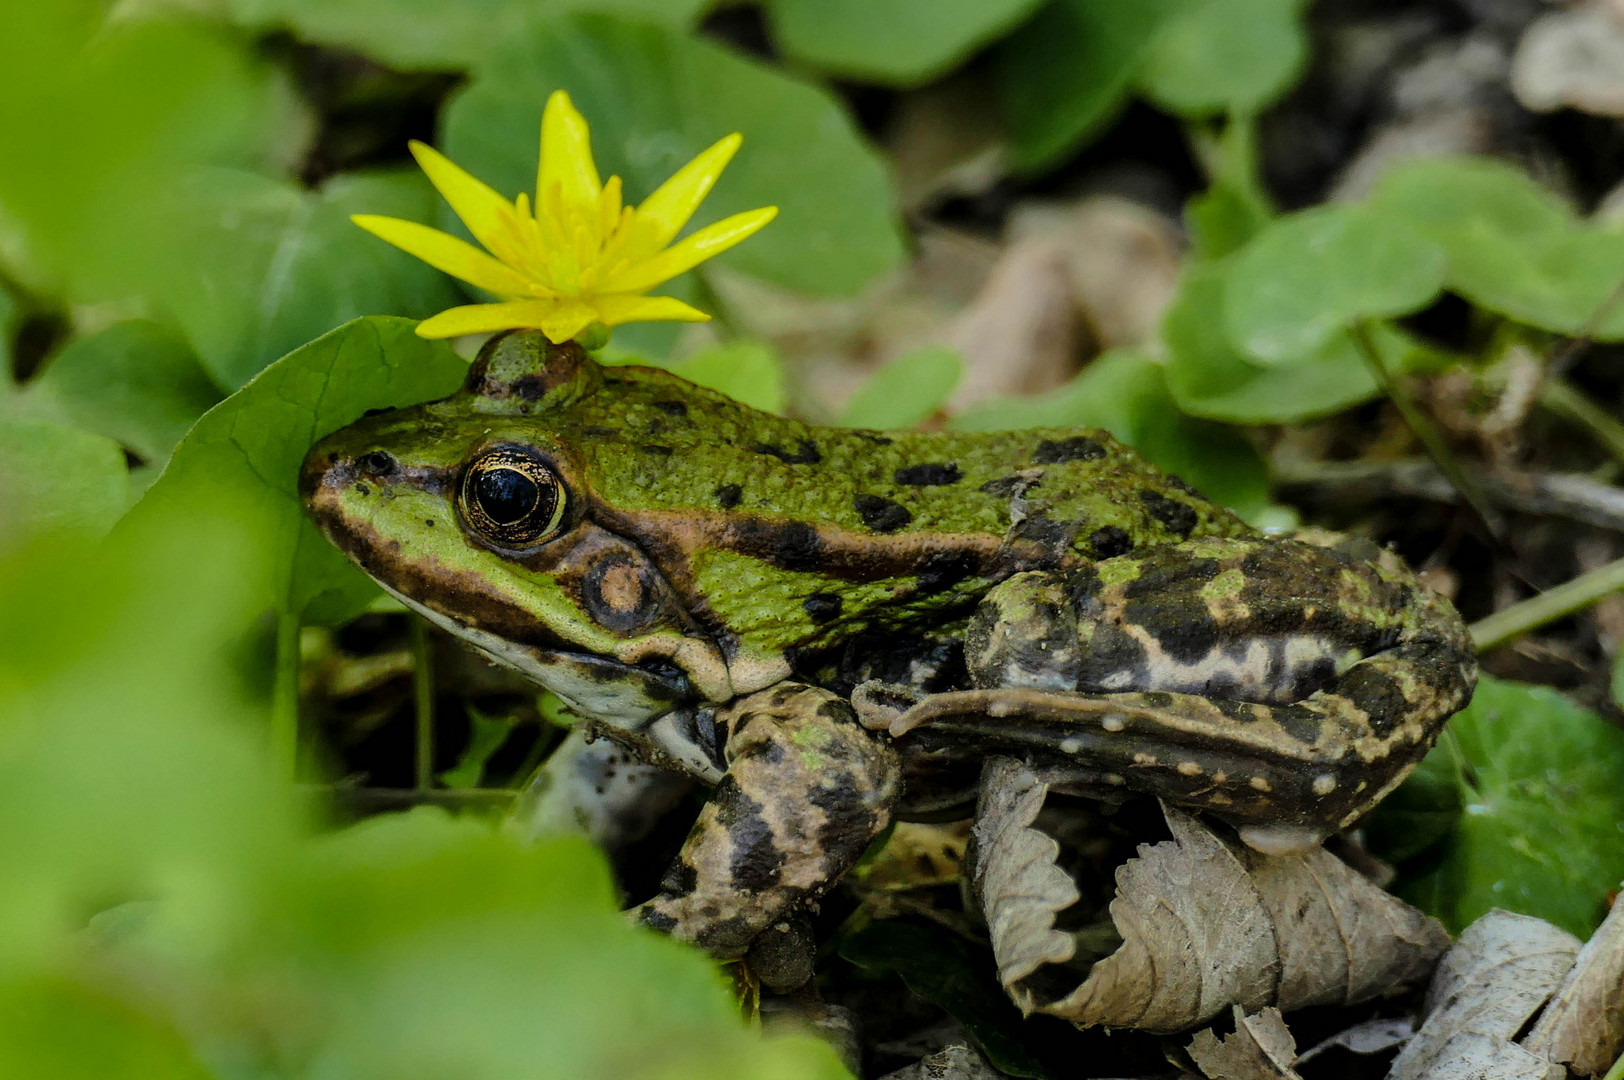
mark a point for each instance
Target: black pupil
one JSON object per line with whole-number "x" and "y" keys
{"x": 506, "y": 495}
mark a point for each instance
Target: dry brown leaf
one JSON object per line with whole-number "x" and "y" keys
{"x": 1205, "y": 924}
{"x": 1260, "y": 1048}
{"x": 1021, "y": 334}
{"x": 1123, "y": 257}
{"x": 1370, "y": 1037}
{"x": 1500, "y": 972}
{"x": 1583, "y": 1026}
{"x": 1572, "y": 58}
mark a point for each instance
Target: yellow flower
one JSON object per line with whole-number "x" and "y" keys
{"x": 580, "y": 257}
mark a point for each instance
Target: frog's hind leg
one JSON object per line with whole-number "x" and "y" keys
{"x": 1283, "y": 685}
{"x": 806, "y": 791}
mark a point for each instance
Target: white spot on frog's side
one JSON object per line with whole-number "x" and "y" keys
{"x": 1281, "y": 839}
{"x": 1189, "y": 768}
{"x": 1142, "y": 758}
{"x": 1113, "y": 721}
{"x": 1269, "y": 669}
{"x": 1260, "y": 784}
{"x": 1070, "y": 746}
{"x": 1115, "y": 778}
{"x": 1324, "y": 784}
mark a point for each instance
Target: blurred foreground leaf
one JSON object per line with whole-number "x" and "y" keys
{"x": 55, "y": 478}
{"x": 1542, "y": 826}
{"x": 136, "y": 382}
{"x": 901, "y": 42}
{"x": 655, "y": 99}
{"x": 249, "y": 448}
{"x": 1127, "y": 395}
{"x": 1512, "y": 246}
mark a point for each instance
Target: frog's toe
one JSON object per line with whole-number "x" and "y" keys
{"x": 1282, "y": 839}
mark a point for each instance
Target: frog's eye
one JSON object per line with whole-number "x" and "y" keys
{"x": 511, "y": 497}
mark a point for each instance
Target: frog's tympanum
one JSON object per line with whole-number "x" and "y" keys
{"x": 834, "y": 627}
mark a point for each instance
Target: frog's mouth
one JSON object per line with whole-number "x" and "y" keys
{"x": 597, "y": 687}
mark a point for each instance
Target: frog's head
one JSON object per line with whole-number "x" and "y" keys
{"x": 476, "y": 511}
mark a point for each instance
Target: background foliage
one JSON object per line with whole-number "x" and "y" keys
{"x": 185, "y": 308}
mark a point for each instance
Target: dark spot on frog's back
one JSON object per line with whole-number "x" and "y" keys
{"x": 1180, "y": 518}
{"x": 729, "y": 495}
{"x": 879, "y": 513}
{"x": 935, "y": 474}
{"x": 1076, "y": 448}
{"x": 945, "y": 569}
{"x": 822, "y": 607}
{"x": 672, "y": 408}
{"x": 656, "y": 449}
{"x": 530, "y": 387}
{"x": 805, "y": 452}
{"x": 1109, "y": 541}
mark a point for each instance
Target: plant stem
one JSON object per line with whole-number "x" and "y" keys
{"x": 284, "y": 734}
{"x": 1617, "y": 1071}
{"x": 1421, "y": 425}
{"x": 423, "y": 703}
{"x": 1550, "y": 605}
{"x": 711, "y": 302}
{"x": 1561, "y": 398}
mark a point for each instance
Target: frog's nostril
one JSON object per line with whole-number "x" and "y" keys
{"x": 375, "y": 463}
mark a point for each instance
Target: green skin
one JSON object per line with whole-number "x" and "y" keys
{"x": 1119, "y": 629}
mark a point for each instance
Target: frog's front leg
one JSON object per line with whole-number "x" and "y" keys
{"x": 1282, "y": 685}
{"x": 806, "y": 791}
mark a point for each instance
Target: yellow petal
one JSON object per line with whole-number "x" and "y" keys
{"x": 674, "y": 202}
{"x": 693, "y": 250}
{"x": 616, "y": 309}
{"x": 566, "y": 156}
{"x": 445, "y": 252}
{"x": 567, "y": 318}
{"x": 488, "y": 318}
{"x": 488, "y": 216}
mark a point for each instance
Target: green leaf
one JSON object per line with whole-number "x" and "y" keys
{"x": 1306, "y": 278}
{"x": 1542, "y": 832}
{"x": 11, "y": 318}
{"x": 1127, "y": 394}
{"x": 417, "y": 35}
{"x": 907, "y": 391}
{"x": 136, "y": 382}
{"x": 899, "y": 42}
{"x": 655, "y": 99}
{"x": 942, "y": 968}
{"x": 51, "y": 1027}
{"x": 55, "y": 479}
{"x": 268, "y": 266}
{"x": 1209, "y": 377}
{"x": 1066, "y": 70}
{"x": 102, "y": 115}
{"x": 249, "y": 447}
{"x": 1512, "y": 246}
{"x": 486, "y": 736}
{"x": 1234, "y": 56}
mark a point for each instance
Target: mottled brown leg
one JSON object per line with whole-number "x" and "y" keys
{"x": 806, "y": 791}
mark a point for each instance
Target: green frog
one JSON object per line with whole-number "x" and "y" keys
{"x": 835, "y": 628}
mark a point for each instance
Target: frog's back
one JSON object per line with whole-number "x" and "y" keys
{"x": 655, "y": 442}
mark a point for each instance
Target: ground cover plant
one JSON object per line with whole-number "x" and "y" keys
{"x": 1348, "y": 264}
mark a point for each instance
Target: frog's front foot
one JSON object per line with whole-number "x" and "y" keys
{"x": 806, "y": 791}
{"x": 1283, "y": 686}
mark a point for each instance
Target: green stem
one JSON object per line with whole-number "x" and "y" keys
{"x": 423, "y": 703}
{"x": 711, "y": 302}
{"x": 1617, "y": 1071}
{"x": 1561, "y": 398}
{"x": 284, "y": 748}
{"x": 1421, "y": 426}
{"x": 1550, "y": 605}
